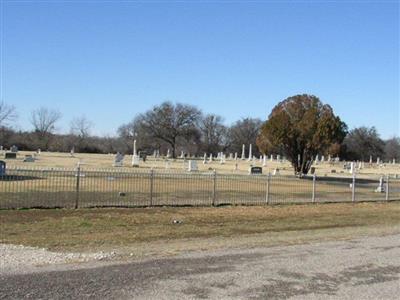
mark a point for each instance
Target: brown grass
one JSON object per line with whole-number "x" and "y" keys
{"x": 91, "y": 229}
{"x": 64, "y": 160}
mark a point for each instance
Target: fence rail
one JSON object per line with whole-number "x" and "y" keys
{"x": 73, "y": 188}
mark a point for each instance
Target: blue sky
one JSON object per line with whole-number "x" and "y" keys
{"x": 109, "y": 60}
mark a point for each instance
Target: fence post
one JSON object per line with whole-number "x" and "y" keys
{"x": 353, "y": 189}
{"x": 313, "y": 188}
{"x": 214, "y": 195}
{"x": 268, "y": 184}
{"x": 78, "y": 178}
{"x": 387, "y": 187}
{"x": 151, "y": 186}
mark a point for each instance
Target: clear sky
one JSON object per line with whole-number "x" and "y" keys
{"x": 109, "y": 60}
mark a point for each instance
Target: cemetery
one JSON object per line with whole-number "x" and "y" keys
{"x": 54, "y": 179}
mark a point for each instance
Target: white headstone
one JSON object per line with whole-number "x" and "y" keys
{"x": 243, "y": 152}
{"x": 250, "y": 154}
{"x": 352, "y": 168}
{"x": 192, "y": 166}
{"x": 205, "y": 159}
{"x": 235, "y": 155}
{"x": 264, "y": 160}
{"x": 230, "y": 156}
{"x": 210, "y": 158}
{"x": 378, "y": 161}
{"x": 221, "y": 158}
{"x": 168, "y": 154}
{"x": 370, "y": 159}
{"x": 394, "y": 161}
{"x": 380, "y": 188}
{"x": 135, "y": 157}
{"x": 134, "y": 147}
{"x": 272, "y": 157}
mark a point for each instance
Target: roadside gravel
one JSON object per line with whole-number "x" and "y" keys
{"x": 22, "y": 259}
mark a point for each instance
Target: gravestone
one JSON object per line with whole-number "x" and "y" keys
{"x": 2, "y": 168}
{"x": 14, "y": 149}
{"x": 10, "y": 155}
{"x": 1, "y": 148}
{"x": 210, "y": 158}
{"x": 135, "y": 156}
{"x": 250, "y": 153}
{"x": 264, "y": 160}
{"x": 235, "y": 155}
{"x": 222, "y": 158}
{"x": 118, "y": 160}
{"x": 352, "y": 168}
{"x": 255, "y": 170}
{"x": 192, "y": 166}
{"x": 243, "y": 152}
{"x": 72, "y": 152}
{"x": 380, "y": 188}
{"x": 205, "y": 159}
{"x": 29, "y": 158}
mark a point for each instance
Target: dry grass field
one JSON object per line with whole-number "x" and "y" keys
{"x": 52, "y": 182}
{"x": 105, "y": 161}
{"x": 105, "y": 229}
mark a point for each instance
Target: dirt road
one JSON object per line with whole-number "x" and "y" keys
{"x": 364, "y": 268}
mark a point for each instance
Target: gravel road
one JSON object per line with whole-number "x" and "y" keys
{"x": 364, "y": 268}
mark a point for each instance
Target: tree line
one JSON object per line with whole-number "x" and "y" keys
{"x": 299, "y": 127}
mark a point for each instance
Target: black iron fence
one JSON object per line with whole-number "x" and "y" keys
{"x": 48, "y": 188}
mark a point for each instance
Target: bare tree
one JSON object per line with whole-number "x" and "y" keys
{"x": 43, "y": 121}
{"x": 170, "y": 123}
{"x": 244, "y": 131}
{"x": 7, "y": 113}
{"x": 81, "y": 127}
{"x": 213, "y": 133}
